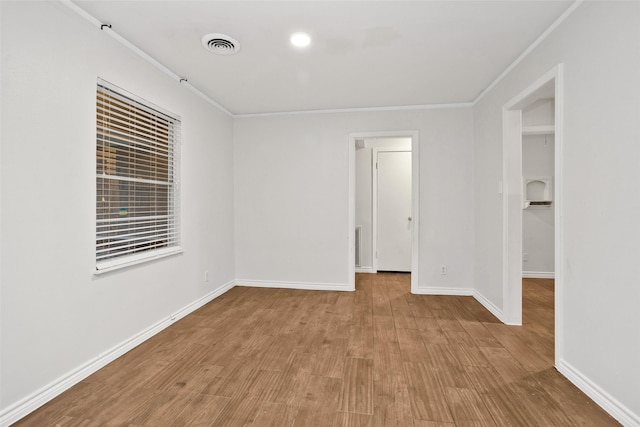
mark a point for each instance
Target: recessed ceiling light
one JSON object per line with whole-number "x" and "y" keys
{"x": 300, "y": 39}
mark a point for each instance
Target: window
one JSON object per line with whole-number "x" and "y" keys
{"x": 136, "y": 180}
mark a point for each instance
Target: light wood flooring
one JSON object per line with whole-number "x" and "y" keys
{"x": 375, "y": 357}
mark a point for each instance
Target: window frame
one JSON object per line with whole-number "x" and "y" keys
{"x": 172, "y": 229}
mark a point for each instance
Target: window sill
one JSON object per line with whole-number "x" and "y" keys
{"x": 109, "y": 266}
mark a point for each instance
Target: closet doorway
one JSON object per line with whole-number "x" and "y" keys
{"x": 522, "y": 192}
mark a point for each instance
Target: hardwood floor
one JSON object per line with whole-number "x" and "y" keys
{"x": 375, "y": 357}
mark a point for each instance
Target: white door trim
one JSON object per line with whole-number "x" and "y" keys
{"x": 512, "y": 205}
{"x": 415, "y": 200}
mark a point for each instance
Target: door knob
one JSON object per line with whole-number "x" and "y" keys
{"x": 409, "y": 218}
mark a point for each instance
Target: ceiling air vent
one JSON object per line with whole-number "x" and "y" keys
{"x": 220, "y": 44}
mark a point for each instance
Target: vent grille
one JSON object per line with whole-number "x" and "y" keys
{"x": 220, "y": 44}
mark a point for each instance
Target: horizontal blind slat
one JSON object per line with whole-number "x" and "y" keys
{"x": 131, "y": 243}
{"x": 117, "y": 97}
{"x": 128, "y": 179}
{"x": 149, "y": 218}
{"x": 110, "y": 137}
{"x": 117, "y": 112}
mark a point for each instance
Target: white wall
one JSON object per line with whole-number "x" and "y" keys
{"x": 292, "y": 195}
{"x": 56, "y": 315}
{"x": 537, "y": 221}
{"x": 599, "y": 45}
{"x": 364, "y": 188}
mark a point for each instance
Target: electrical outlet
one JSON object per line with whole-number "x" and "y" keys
{"x": 443, "y": 270}
{"x": 525, "y": 257}
{"x": 206, "y": 275}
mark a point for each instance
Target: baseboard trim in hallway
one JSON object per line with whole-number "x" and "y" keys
{"x": 310, "y": 286}
{"x": 461, "y": 292}
{"x": 493, "y": 309}
{"x": 620, "y": 412}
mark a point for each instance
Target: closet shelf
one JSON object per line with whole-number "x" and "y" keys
{"x": 539, "y": 130}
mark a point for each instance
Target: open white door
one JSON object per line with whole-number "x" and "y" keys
{"x": 394, "y": 222}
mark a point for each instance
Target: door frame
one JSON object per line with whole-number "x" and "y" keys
{"x": 374, "y": 200}
{"x": 513, "y": 199}
{"x": 415, "y": 200}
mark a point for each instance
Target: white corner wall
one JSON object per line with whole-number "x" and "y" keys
{"x": 292, "y": 182}
{"x": 57, "y": 318}
{"x": 599, "y": 45}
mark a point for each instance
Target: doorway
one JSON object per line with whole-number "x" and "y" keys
{"x": 521, "y": 192}
{"x": 393, "y": 152}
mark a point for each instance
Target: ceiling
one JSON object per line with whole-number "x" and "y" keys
{"x": 363, "y": 54}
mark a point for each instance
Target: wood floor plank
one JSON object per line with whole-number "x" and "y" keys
{"x": 356, "y": 395}
{"x": 379, "y": 356}
{"x": 136, "y": 371}
{"x": 426, "y": 423}
{"x": 387, "y": 361}
{"x": 201, "y": 411}
{"x": 329, "y": 360}
{"x": 411, "y": 345}
{"x": 384, "y": 330}
{"x": 320, "y": 402}
{"x": 114, "y": 404}
{"x": 238, "y": 412}
{"x": 230, "y": 379}
{"x": 275, "y": 415}
{"x": 480, "y": 334}
{"x": 345, "y": 419}
{"x": 74, "y": 422}
{"x": 467, "y": 407}
{"x": 539, "y": 404}
{"x": 381, "y": 302}
{"x": 360, "y": 343}
{"x": 291, "y": 383}
{"x": 469, "y": 355}
{"x": 260, "y": 385}
{"x": 507, "y": 366}
{"x": 426, "y": 394}
{"x": 161, "y": 409}
{"x": 526, "y": 356}
{"x": 431, "y": 331}
{"x": 184, "y": 374}
{"x": 392, "y": 404}
{"x": 403, "y": 318}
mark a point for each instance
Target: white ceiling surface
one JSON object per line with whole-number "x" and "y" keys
{"x": 363, "y": 54}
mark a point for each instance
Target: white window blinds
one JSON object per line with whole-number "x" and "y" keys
{"x": 136, "y": 179}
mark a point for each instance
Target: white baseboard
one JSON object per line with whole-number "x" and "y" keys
{"x": 465, "y": 292}
{"x": 493, "y": 309}
{"x": 293, "y": 285}
{"x": 538, "y": 275}
{"x": 38, "y": 398}
{"x": 616, "y": 409}
{"x": 365, "y": 270}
